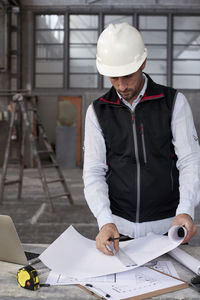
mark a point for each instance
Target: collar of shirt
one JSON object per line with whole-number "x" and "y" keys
{"x": 137, "y": 100}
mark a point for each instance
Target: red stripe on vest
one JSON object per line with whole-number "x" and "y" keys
{"x": 104, "y": 100}
{"x": 152, "y": 97}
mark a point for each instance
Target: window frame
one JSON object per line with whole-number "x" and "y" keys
{"x": 135, "y": 19}
{"x": 174, "y": 74}
{"x": 93, "y": 44}
{"x": 35, "y": 44}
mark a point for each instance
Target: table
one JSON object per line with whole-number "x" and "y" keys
{"x": 10, "y": 290}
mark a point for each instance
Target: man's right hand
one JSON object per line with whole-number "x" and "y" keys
{"x": 105, "y": 236}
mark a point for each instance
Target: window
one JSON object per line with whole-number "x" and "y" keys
{"x": 49, "y": 51}
{"x": 82, "y": 51}
{"x": 154, "y": 32}
{"x": 67, "y": 60}
{"x": 186, "y": 52}
{"x": 113, "y": 19}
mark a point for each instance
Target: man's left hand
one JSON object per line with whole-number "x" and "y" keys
{"x": 186, "y": 221}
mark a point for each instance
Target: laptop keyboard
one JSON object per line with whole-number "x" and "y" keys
{"x": 31, "y": 255}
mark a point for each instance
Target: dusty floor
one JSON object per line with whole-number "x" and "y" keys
{"x": 31, "y": 215}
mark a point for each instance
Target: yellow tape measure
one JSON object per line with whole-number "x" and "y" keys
{"x": 27, "y": 278}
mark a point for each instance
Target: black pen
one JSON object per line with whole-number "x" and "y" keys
{"x": 120, "y": 238}
{"x": 98, "y": 289}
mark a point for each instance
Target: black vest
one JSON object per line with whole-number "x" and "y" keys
{"x": 142, "y": 176}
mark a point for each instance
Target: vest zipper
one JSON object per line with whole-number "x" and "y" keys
{"x": 172, "y": 179}
{"x": 143, "y": 143}
{"x": 138, "y": 167}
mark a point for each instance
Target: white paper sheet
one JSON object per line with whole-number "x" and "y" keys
{"x": 186, "y": 259}
{"x": 58, "y": 279}
{"x": 74, "y": 255}
{"x": 142, "y": 280}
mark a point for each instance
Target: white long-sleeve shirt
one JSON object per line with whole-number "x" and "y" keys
{"x": 187, "y": 149}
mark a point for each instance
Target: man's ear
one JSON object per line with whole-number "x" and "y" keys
{"x": 143, "y": 65}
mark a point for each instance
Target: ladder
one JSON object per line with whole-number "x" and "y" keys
{"x": 19, "y": 104}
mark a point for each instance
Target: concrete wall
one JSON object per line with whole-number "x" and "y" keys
{"x": 47, "y": 103}
{"x": 115, "y": 3}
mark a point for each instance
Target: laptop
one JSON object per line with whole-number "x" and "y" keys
{"x": 11, "y": 249}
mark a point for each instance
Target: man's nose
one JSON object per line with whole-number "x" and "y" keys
{"x": 122, "y": 84}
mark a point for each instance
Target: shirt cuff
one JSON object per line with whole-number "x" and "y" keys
{"x": 104, "y": 218}
{"x": 186, "y": 208}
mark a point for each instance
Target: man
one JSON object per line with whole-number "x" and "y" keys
{"x": 142, "y": 157}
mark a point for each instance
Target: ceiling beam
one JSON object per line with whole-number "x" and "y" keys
{"x": 9, "y": 3}
{"x": 92, "y": 1}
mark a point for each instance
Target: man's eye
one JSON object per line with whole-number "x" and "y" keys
{"x": 128, "y": 76}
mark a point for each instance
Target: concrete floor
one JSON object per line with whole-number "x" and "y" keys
{"x": 33, "y": 219}
{"x": 31, "y": 215}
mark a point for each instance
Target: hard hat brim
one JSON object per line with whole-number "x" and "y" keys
{"x": 119, "y": 71}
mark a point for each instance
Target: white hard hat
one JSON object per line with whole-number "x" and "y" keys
{"x": 120, "y": 50}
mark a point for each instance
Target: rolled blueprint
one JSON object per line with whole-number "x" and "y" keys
{"x": 186, "y": 259}
{"x": 177, "y": 233}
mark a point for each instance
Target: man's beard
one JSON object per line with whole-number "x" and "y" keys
{"x": 129, "y": 95}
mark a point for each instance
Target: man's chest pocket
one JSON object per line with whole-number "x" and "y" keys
{"x": 159, "y": 136}
{"x": 119, "y": 138}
